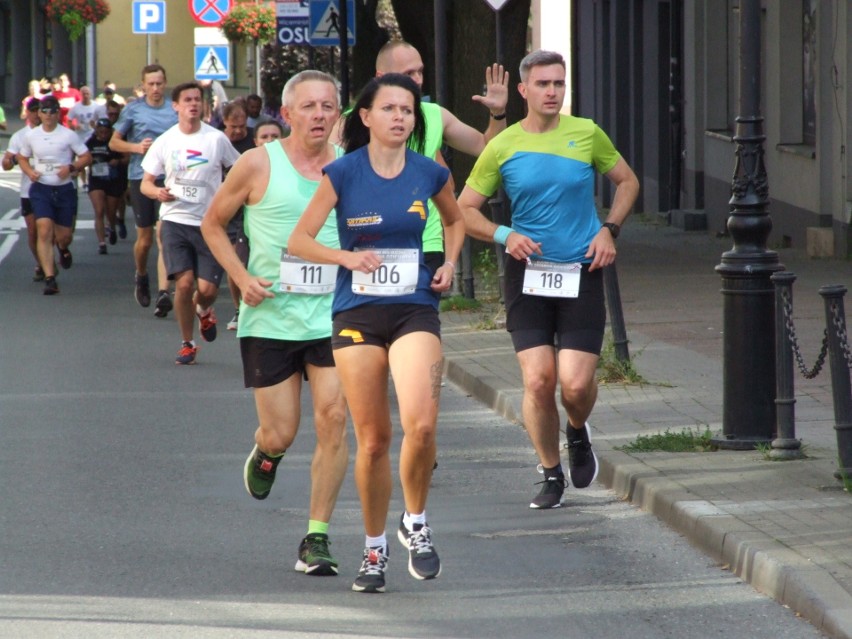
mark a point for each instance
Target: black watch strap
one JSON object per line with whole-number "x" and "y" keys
{"x": 614, "y": 228}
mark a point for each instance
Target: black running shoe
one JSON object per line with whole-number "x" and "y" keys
{"x": 163, "y": 304}
{"x": 371, "y": 577}
{"x": 259, "y": 473}
{"x": 582, "y": 463}
{"x": 142, "y": 291}
{"x": 314, "y": 556}
{"x": 423, "y": 561}
{"x": 551, "y": 492}
{"x": 38, "y": 274}
{"x": 65, "y": 259}
{"x": 50, "y": 286}
{"x": 122, "y": 229}
{"x": 113, "y": 238}
{"x": 102, "y": 249}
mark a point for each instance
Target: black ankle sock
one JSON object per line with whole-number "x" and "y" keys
{"x": 576, "y": 435}
{"x": 556, "y": 471}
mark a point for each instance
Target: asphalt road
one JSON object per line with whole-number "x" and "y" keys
{"x": 124, "y": 514}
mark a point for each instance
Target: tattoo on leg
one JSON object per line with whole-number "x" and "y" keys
{"x": 435, "y": 374}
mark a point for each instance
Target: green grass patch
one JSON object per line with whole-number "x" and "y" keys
{"x": 612, "y": 370}
{"x": 460, "y": 303}
{"x": 688, "y": 440}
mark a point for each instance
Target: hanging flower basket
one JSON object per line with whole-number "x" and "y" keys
{"x": 76, "y": 15}
{"x": 250, "y": 23}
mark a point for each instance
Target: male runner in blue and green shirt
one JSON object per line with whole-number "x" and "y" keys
{"x": 556, "y": 249}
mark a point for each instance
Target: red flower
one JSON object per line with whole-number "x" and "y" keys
{"x": 250, "y": 21}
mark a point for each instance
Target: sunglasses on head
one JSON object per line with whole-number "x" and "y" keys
{"x": 50, "y": 110}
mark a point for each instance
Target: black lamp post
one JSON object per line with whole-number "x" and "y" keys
{"x": 748, "y": 294}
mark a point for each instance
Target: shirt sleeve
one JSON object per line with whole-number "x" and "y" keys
{"x": 25, "y": 149}
{"x": 335, "y": 173}
{"x": 77, "y": 146}
{"x": 125, "y": 122}
{"x": 230, "y": 155}
{"x": 604, "y": 154}
{"x": 152, "y": 163}
{"x": 485, "y": 177}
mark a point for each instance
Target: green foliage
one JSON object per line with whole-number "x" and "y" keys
{"x": 76, "y": 15}
{"x": 685, "y": 441}
{"x": 612, "y": 370}
{"x": 459, "y": 303}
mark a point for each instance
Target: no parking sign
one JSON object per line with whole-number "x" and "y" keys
{"x": 209, "y": 13}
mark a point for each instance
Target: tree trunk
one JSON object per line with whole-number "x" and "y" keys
{"x": 416, "y": 19}
{"x": 370, "y": 37}
{"x": 473, "y": 47}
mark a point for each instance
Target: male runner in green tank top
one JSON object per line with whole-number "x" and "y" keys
{"x": 285, "y": 321}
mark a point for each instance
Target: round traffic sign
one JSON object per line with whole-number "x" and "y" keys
{"x": 209, "y": 13}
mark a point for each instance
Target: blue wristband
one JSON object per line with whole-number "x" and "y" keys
{"x": 502, "y": 234}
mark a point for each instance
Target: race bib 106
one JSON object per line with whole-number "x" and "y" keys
{"x": 396, "y": 275}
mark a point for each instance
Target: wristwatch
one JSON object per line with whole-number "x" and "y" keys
{"x": 614, "y": 228}
{"x": 502, "y": 116}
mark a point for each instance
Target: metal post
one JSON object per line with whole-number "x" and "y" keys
{"x": 500, "y": 217}
{"x": 616, "y": 316}
{"x": 344, "y": 52}
{"x": 467, "y": 269}
{"x": 749, "y": 339}
{"x": 441, "y": 78}
{"x": 841, "y": 391}
{"x": 785, "y": 445}
{"x": 499, "y": 213}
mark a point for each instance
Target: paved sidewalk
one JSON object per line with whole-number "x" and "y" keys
{"x": 784, "y": 527}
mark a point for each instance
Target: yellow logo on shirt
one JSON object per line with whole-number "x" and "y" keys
{"x": 418, "y": 207}
{"x": 356, "y": 336}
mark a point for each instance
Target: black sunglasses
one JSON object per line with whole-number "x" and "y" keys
{"x": 50, "y": 110}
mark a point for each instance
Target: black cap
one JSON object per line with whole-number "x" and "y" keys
{"x": 104, "y": 122}
{"x": 33, "y": 104}
{"x": 49, "y": 101}
{"x": 108, "y": 90}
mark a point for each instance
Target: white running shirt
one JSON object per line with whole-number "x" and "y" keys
{"x": 47, "y": 152}
{"x": 193, "y": 165}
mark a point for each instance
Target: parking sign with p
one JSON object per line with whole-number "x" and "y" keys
{"x": 149, "y": 16}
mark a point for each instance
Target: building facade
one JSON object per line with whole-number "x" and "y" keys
{"x": 661, "y": 77}
{"x": 33, "y": 47}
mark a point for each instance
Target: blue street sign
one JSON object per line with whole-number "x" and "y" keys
{"x": 149, "y": 17}
{"x": 212, "y": 62}
{"x": 325, "y": 28}
{"x": 293, "y": 22}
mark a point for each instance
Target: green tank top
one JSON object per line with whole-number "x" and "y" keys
{"x": 268, "y": 224}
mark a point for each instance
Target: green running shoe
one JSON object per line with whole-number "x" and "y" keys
{"x": 259, "y": 473}
{"x": 314, "y": 557}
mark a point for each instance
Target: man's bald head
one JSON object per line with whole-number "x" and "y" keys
{"x": 397, "y": 56}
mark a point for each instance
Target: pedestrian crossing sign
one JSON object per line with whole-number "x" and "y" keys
{"x": 212, "y": 62}
{"x": 325, "y": 22}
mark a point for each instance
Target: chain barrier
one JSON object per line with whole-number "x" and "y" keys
{"x": 794, "y": 342}
{"x": 840, "y": 327}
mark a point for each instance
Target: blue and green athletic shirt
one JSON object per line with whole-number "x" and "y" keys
{"x": 376, "y": 212}
{"x": 549, "y": 179}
